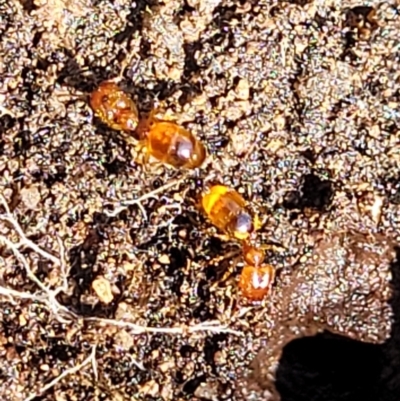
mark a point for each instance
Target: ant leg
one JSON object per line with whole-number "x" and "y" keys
{"x": 273, "y": 247}
{"x": 212, "y": 231}
{"x": 232, "y": 255}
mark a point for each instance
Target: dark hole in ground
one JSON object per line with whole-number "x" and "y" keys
{"x": 123, "y": 370}
{"x": 28, "y": 5}
{"x": 203, "y": 313}
{"x": 203, "y": 290}
{"x": 186, "y": 350}
{"x": 178, "y": 260}
{"x": 315, "y": 193}
{"x": 189, "y": 91}
{"x": 135, "y": 20}
{"x": 329, "y": 367}
{"x": 191, "y": 67}
{"x": 50, "y": 178}
{"x": 83, "y": 259}
{"x": 22, "y": 143}
{"x": 301, "y": 3}
{"x": 191, "y": 385}
{"x": 212, "y": 345}
{"x": 7, "y": 122}
{"x": 60, "y": 351}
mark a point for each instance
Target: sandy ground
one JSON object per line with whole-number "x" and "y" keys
{"x": 298, "y": 104}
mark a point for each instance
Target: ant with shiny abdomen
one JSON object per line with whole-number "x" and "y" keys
{"x": 177, "y": 147}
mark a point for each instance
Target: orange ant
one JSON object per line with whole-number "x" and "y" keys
{"x": 228, "y": 211}
{"x": 171, "y": 144}
{"x": 166, "y": 141}
{"x": 256, "y": 278}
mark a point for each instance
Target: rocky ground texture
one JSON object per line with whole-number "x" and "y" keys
{"x": 298, "y": 105}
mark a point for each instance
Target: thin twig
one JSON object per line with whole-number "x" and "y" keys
{"x": 152, "y": 194}
{"x": 25, "y": 241}
{"x": 67, "y": 372}
{"x": 63, "y": 266}
{"x": 94, "y": 363}
{"x": 52, "y": 302}
{"x": 8, "y": 292}
{"x": 28, "y": 243}
{"x": 48, "y": 296}
{"x": 137, "y": 329}
{"x": 5, "y": 204}
{"x": 213, "y": 326}
{"x": 25, "y": 263}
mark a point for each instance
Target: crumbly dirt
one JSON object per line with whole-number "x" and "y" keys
{"x": 298, "y": 104}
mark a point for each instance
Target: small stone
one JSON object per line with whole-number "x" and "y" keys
{"x": 102, "y": 288}
{"x": 207, "y": 391}
{"x": 166, "y": 366}
{"x": 150, "y": 388}
{"x": 280, "y": 122}
{"x": 167, "y": 392}
{"x": 174, "y": 73}
{"x": 182, "y": 233}
{"x": 243, "y": 89}
{"x": 129, "y": 266}
{"x": 274, "y": 145}
{"x": 124, "y": 340}
{"x": 22, "y": 320}
{"x": 60, "y": 397}
{"x": 164, "y": 259}
{"x": 220, "y": 358}
{"x": 376, "y": 209}
{"x": 30, "y": 196}
{"x": 189, "y": 369}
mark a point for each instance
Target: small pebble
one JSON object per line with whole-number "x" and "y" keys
{"x": 102, "y": 288}
{"x": 164, "y": 259}
{"x": 30, "y": 196}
